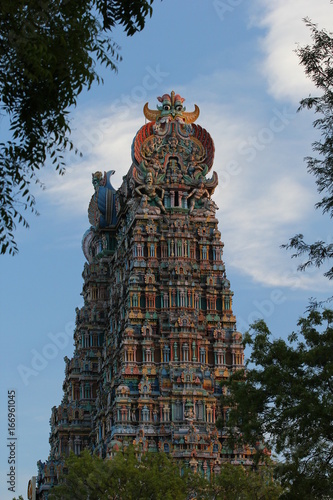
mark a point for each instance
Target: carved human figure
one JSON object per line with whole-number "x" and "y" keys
{"x": 197, "y": 193}
{"x": 173, "y": 141}
{"x": 97, "y": 178}
{"x": 193, "y": 166}
{"x": 143, "y": 208}
{"x": 210, "y": 205}
{"x": 154, "y": 165}
{"x": 150, "y": 190}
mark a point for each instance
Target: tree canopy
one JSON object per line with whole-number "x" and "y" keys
{"x": 286, "y": 400}
{"x": 317, "y": 60}
{"x": 151, "y": 477}
{"x": 156, "y": 476}
{"x": 49, "y": 52}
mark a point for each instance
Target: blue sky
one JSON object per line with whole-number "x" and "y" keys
{"x": 235, "y": 59}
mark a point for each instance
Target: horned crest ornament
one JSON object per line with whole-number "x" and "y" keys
{"x": 171, "y": 108}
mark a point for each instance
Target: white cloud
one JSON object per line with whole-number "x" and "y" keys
{"x": 263, "y": 202}
{"x": 282, "y": 20}
{"x": 105, "y": 139}
{"x": 257, "y": 225}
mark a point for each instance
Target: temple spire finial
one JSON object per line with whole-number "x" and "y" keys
{"x": 171, "y": 108}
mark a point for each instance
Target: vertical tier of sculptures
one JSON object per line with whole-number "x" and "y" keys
{"x": 156, "y": 335}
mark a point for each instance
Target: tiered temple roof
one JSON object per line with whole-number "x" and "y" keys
{"x": 157, "y": 334}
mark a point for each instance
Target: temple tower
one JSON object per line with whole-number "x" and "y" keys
{"x": 156, "y": 334}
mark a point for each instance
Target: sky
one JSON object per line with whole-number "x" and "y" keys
{"x": 236, "y": 60}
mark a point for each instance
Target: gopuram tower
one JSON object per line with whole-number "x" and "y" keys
{"x": 156, "y": 335}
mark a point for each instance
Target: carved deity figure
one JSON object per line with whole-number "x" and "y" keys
{"x": 197, "y": 194}
{"x": 151, "y": 191}
{"x": 153, "y": 165}
{"x": 143, "y": 208}
{"x": 97, "y": 179}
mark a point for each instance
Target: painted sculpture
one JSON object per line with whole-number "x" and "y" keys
{"x": 156, "y": 334}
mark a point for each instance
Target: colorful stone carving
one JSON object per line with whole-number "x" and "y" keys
{"x": 156, "y": 334}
